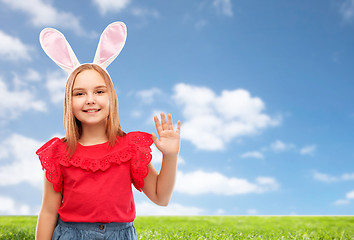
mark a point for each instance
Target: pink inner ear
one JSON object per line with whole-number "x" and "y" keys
{"x": 112, "y": 42}
{"x": 55, "y": 46}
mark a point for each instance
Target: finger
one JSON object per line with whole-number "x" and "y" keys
{"x": 158, "y": 125}
{"x": 178, "y": 130}
{"x": 170, "y": 124}
{"x": 163, "y": 121}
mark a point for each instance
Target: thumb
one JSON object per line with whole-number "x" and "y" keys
{"x": 155, "y": 139}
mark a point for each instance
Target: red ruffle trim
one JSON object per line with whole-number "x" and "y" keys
{"x": 53, "y": 155}
{"x": 102, "y": 163}
{"x": 48, "y": 155}
{"x": 140, "y": 143}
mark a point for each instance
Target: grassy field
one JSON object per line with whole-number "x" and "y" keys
{"x": 213, "y": 227}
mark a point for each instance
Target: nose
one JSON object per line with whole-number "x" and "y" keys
{"x": 90, "y": 99}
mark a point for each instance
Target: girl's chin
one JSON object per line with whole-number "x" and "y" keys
{"x": 93, "y": 123}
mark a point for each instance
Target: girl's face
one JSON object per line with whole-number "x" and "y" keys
{"x": 90, "y": 98}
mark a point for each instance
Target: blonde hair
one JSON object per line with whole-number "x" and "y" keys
{"x": 72, "y": 126}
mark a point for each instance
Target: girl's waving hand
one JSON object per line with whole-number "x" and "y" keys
{"x": 169, "y": 139}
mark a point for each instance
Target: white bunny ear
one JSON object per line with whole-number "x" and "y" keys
{"x": 111, "y": 43}
{"x": 58, "y": 49}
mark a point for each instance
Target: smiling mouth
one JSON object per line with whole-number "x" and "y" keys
{"x": 92, "y": 110}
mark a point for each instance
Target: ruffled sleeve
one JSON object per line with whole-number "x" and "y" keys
{"x": 141, "y": 157}
{"x": 49, "y": 155}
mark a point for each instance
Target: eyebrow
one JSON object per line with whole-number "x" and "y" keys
{"x": 102, "y": 86}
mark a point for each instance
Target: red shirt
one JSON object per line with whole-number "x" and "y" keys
{"x": 96, "y": 182}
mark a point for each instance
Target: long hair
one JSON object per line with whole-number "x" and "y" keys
{"x": 73, "y": 127}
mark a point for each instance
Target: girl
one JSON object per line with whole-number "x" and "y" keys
{"x": 88, "y": 174}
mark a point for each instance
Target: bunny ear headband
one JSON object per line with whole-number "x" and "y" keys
{"x": 111, "y": 43}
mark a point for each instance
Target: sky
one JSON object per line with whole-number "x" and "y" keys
{"x": 263, "y": 89}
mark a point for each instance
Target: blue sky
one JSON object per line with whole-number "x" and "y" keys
{"x": 264, "y": 91}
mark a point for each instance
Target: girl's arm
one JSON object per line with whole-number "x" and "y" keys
{"x": 48, "y": 214}
{"x": 158, "y": 187}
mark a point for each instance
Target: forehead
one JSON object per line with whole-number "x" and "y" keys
{"x": 89, "y": 79}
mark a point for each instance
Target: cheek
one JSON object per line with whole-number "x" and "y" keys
{"x": 105, "y": 102}
{"x": 76, "y": 106}
{"x": 106, "y": 106}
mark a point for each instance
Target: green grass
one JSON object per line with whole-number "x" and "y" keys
{"x": 17, "y": 227}
{"x": 213, "y": 227}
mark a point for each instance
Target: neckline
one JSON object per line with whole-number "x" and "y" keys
{"x": 93, "y": 145}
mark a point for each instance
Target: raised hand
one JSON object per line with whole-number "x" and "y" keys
{"x": 169, "y": 139}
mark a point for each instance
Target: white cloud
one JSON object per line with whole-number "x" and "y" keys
{"x": 8, "y": 206}
{"x": 32, "y": 75}
{"x": 254, "y": 154}
{"x": 341, "y": 202}
{"x": 144, "y": 12}
{"x": 111, "y": 5}
{"x": 347, "y": 176}
{"x": 323, "y": 177}
{"x": 276, "y": 146}
{"x": 347, "y": 10}
{"x": 116, "y": 6}
{"x": 24, "y": 164}
{"x": 220, "y": 212}
{"x": 252, "y": 211}
{"x": 211, "y": 121}
{"x": 279, "y": 146}
{"x": 350, "y": 195}
{"x": 27, "y": 80}
{"x": 156, "y": 155}
{"x": 147, "y": 208}
{"x": 18, "y": 83}
{"x": 55, "y": 84}
{"x": 223, "y": 6}
{"x": 13, "y": 103}
{"x": 12, "y": 49}
{"x": 308, "y": 150}
{"x": 42, "y": 13}
{"x": 200, "y": 182}
{"x": 147, "y": 96}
